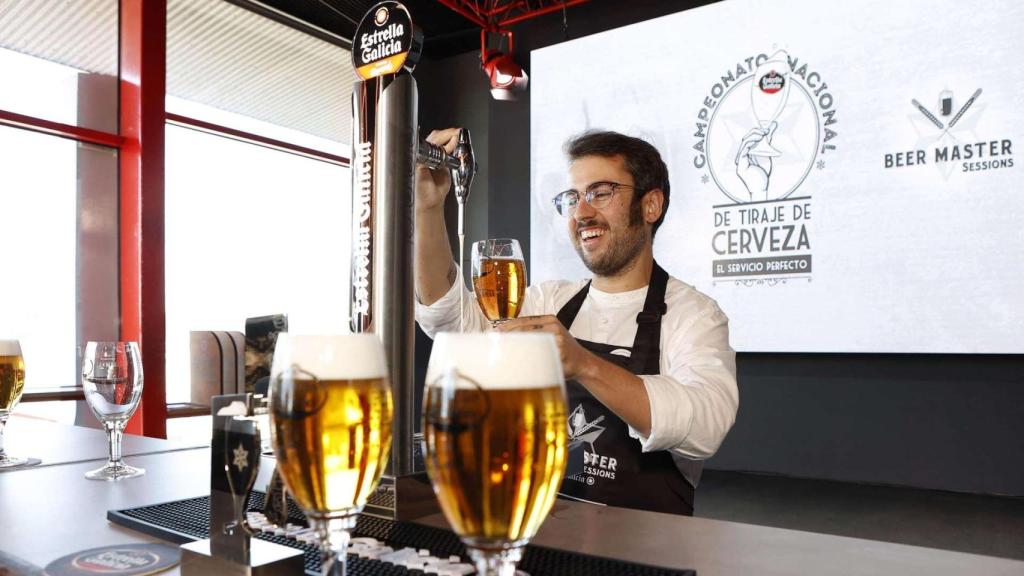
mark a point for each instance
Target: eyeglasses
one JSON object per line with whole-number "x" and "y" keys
{"x": 598, "y": 195}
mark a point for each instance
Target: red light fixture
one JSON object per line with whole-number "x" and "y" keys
{"x": 507, "y": 78}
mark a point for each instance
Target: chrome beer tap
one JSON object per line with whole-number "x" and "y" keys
{"x": 461, "y": 165}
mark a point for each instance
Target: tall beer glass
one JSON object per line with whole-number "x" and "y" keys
{"x": 499, "y": 278}
{"x": 330, "y": 411}
{"x": 12, "y": 384}
{"x": 112, "y": 381}
{"x": 495, "y": 434}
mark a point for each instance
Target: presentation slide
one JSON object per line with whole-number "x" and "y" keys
{"x": 845, "y": 176}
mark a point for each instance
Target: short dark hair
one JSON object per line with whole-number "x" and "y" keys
{"x": 643, "y": 161}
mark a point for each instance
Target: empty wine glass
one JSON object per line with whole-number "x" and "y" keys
{"x": 112, "y": 379}
{"x": 12, "y": 383}
{"x": 499, "y": 278}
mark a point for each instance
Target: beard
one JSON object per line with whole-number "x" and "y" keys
{"x": 622, "y": 252}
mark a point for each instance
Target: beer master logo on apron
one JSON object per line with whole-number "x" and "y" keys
{"x": 605, "y": 465}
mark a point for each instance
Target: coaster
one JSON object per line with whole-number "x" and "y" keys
{"x": 121, "y": 560}
{"x": 28, "y": 463}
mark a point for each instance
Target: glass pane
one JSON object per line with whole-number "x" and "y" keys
{"x": 233, "y": 60}
{"x": 59, "y": 60}
{"x": 56, "y": 249}
{"x": 250, "y": 232}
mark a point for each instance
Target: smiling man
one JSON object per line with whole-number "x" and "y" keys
{"x": 651, "y": 378}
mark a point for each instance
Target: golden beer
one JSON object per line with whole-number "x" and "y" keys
{"x": 332, "y": 439}
{"x": 330, "y": 413}
{"x": 12, "y": 380}
{"x": 495, "y": 436}
{"x": 499, "y": 285}
{"x": 497, "y": 466}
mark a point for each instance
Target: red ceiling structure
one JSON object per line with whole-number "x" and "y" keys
{"x": 492, "y": 15}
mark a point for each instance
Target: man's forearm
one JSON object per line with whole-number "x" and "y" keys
{"x": 620, "y": 390}
{"x": 435, "y": 271}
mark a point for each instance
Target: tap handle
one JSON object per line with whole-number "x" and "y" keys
{"x": 434, "y": 157}
{"x": 461, "y": 163}
{"x": 463, "y": 174}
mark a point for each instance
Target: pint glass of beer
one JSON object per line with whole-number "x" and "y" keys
{"x": 495, "y": 435}
{"x": 499, "y": 278}
{"x": 330, "y": 412}
{"x": 12, "y": 383}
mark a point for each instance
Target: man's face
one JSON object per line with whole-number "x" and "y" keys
{"x": 610, "y": 238}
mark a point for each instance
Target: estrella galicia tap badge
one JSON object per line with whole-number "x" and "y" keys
{"x": 949, "y": 137}
{"x": 121, "y": 560}
{"x": 385, "y": 39}
{"x": 765, "y": 125}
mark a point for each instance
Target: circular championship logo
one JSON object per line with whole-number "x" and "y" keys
{"x": 763, "y": 128}
{"x": 736, "y": 138}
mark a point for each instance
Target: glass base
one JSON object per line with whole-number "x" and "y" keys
{"x": 495, "y": 558}
{"x": 11, "y": 462}
{"x": 113, "y": 472}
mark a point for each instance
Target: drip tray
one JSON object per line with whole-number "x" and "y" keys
{"x": 185, "y": 521}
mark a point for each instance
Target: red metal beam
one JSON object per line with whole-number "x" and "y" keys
{"x": 142, "y": 83}
{"x": 251, "y": 138}
{"x": 539, "y": 12}
{"x": 470, "y": 15}
{"x": 57, "y": 129}
{"x": 487, "y": 14}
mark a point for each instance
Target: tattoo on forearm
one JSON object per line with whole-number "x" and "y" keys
{"x": 452, "y": 272}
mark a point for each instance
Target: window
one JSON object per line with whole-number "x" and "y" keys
{"x": 58, "y": 61}
{"x": 250, "y": 231}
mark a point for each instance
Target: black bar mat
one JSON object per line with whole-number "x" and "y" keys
{"x": 188, "y": 520}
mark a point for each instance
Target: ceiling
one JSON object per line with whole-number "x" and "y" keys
{"x": 446, "y": 33}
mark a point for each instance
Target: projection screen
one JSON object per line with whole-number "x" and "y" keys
{"x": 843, "y": 175}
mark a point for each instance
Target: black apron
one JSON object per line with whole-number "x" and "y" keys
{"x": 606, "y": 466}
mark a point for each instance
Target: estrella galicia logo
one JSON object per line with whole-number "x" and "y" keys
{"x": 123, "y": 560}
{"x": 948, "y": 137}
{"x": 771, "y": 82}
{"x": 764, "y": 124}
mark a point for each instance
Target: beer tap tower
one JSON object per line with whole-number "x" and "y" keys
{"x": 385, "y": 150}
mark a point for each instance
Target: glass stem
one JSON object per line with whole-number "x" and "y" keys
{"x": 334, "y": 538}
{"x": 3, "y": 424}
{"x": 114, "y": 433}
{"x": 496, "y": 562}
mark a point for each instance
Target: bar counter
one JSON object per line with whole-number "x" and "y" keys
{"x": 51, "y": 511}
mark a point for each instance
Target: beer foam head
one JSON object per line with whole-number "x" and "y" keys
{"x": 497, "y": 359}
{"x": 336, "y": 357}
{"x": 10, "y": 348}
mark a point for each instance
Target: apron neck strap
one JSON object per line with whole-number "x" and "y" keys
{"x": 646, "y": 355}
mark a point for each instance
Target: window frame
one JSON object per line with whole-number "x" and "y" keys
{"x": 140, "y": 140}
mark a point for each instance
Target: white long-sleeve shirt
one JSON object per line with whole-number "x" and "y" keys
{"x": 693, "y": 400}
